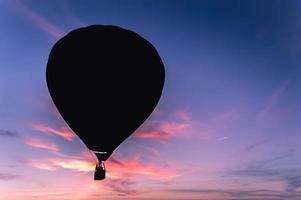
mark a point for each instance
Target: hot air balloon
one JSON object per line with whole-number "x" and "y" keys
{"x": 105, "y": 81}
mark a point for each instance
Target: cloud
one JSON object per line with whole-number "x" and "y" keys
{"x": 65, "y": 133}
{"x": 8, "y": 133}
{"x": 241, "y": 194}
{"x": 222, "y": 138}
{"x": 227, "y": 117}
{"x": 43, "y": 165}
{"x": 273, "y": 101}
{"x": 38, "y": 19}
{"x": 8, "y": 176}
{"x": 152, "y": 135}
{"x": 271, "y": 161}
{"x": 41, "y": 144}
{"x": 256, "y": 144}
{"x": 121, "y": 175}
{"x": 52, "y": 164}
{"x": 173, "y": 126}
{"x": 161, "y": 130}
{"x": 116, "y": 169}
{"x": 122, "y": 187}
{"x": 134, "y": 167}
{"x": 80, "y": 163}
{"x": 183, "y": 115}
{"x": 291, "y": 177}
{"x": 167, "y": 126}
{"x": 181, "y": 125}
{"x": 50, "y": 195}
{"x": 73, "y": 164}
{"x": 215, "y": 128}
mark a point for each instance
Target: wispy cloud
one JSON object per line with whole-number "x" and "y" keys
{"x": 152, "y": 135}
{"x": 271, "y": 161}
{"x": 291, "y": 177}
{"x": 8, "y": 133}
{"x": 240, "y": 194}
{"x": 73, "y": 164}
{"x": 122, "y": 187}
{"x": 38, "y": 19}
{"x": 222, "y": 138}
{"x": 256, "y": 144}
{"x": 170, "y": 127}
{"x": 52, "y": 164}
{"x": 161, "y": 130}
{"x": 116, "y": 169}
{"x": 274, "y": 99}
{"x": 41, "y": 144}
{"x": 215, "y": 128}
{"x": 43, "y": 165}
{"x": 134, "y": 167}
{"x": 181, "y": 125}
{"x": 8, "y": 176}
{"x": 65, "y": 132}
{"x": 226, "y": 117}
{"x": 122, "y": 175}
{"x": 182, "y": 115}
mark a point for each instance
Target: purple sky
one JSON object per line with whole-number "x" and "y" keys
{"x": 227, "y": 125}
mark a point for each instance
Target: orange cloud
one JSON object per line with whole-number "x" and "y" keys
{"x": 52, "y": 164}
{"x": 73, "y": 164}
{"x": 41, "y": 144}
{"x": 64, "y": 132}
{"x": 115, "y": 169}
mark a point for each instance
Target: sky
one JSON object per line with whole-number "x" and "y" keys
{"x": 227, "y": 125}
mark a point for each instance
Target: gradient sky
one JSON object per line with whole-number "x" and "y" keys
{"x": 227, "y": 126}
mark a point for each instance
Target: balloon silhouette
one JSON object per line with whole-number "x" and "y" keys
{"x": 105, "y": 81}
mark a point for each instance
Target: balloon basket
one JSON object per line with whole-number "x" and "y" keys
{"x": 100, "y": 171}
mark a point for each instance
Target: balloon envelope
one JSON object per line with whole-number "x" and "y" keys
{"x": 105, "y": 81}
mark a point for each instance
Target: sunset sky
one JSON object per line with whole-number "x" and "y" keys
{"x": 228, "y": 125}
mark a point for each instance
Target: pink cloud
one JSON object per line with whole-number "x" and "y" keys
{"x": 40, "y": 165}
{"x": 52, "y": 164}
{"x": 73, "y": 164}
{"x": 84, "y": 162}
{"x": 122, "y": 175}
{"x": 182, "y": 115}
{"x": 122, "y": 187}
{"x": 152, "y": 135}
{"x": 181, "y": 125}
{"x": 41, "y": 144}
{"x": 116, "y": 169}
{"x": 161, "y": 130}
{"x": 133, "y": 167}
{"x": 38, "y": 20}
{"x": 170, "y": 127}
{"x": 64, "y": 132}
